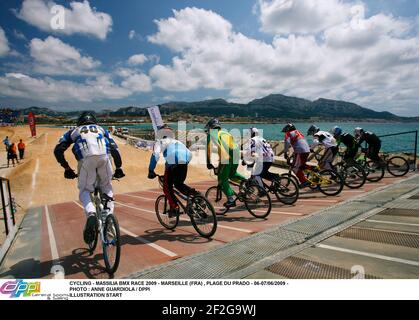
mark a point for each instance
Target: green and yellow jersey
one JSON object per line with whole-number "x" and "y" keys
{"x": 228, "y": 149}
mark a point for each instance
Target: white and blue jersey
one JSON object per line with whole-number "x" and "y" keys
{"x": 174, "y": 151}
{"x": 262, "y": 148}
{"x": 89, "y": 140}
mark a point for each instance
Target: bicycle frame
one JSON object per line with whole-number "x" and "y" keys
{"x": 178, "y": 195}
{"x": 101, "y": 213}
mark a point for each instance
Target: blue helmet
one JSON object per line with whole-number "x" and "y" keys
{"x": 336, "y": 131}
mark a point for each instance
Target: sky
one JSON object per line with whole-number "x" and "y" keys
{"x": 107, "y": 54}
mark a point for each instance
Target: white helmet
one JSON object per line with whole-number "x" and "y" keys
{"x": 358, "y": 132}
{"x": 254, "y": 132}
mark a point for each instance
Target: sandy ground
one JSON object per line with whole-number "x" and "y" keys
{"x": 39, "y": 180}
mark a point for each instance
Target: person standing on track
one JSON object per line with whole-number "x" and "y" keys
{"x": 6, "y": 143}
{"x": 296, "y": 140}
{"x": 92, "y": 147}
{"x": 177, "y": 157}
{"x": 229, "y": 154}
{"x": 12, "y": 155}
{"x": 21, "y": 147}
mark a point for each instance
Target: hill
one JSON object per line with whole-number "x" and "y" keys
{"x": 272, "y": 107}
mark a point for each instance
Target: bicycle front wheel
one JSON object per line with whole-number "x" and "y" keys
{"x": 257, "y": 201}
{"x": 203, "y": 216}
{"x": 398, "y": 166}
{"x": 162, "y": 212}
{"x": 217, "y": 199}
{"x": 375, "y": 171}
{"x": 330, "y": 183}
{"x": 286, "y": 190}
{"x": 353, "y": 175}
{"x": 111, "y": 244}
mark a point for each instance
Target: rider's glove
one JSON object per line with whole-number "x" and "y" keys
{"x": 152, "y": 175}
{"x": 210, "y": 166}
{"x": 119, "y": 174}
{"x": 70, "y": 174}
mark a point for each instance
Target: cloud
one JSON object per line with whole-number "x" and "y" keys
{"x": 54, "y": 57}
{"x": 137, "y": 83}
{"x": 19, "y": 35}
{"x": 100, "y": 88}
{"x": 50, "y": 90}
{"x": 80, "y": 18}
{"x": 137, "y": 59}
{"x": 302, "y": 16}
{"x": 134, "y": 80}
{"x": 366, "y": 59}
{"x": 362, "y": 32}
{"x": 4, "y": 44}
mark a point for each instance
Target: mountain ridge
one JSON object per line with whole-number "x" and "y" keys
{"x": 274, "y": 106}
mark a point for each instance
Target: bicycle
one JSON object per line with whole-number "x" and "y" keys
{"x": 328, "y": 182}
{"x": 285, "y": 189}
{"x": 353, "y": 174}
{"x": 108, "y": 230}
{"x": 257, "y": 201}
{"x": 397, "y": 166}
{"x": 198, "y": 208}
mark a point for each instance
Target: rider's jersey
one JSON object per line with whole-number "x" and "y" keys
{"x": 228, "y": 149}
{"x": 89, "y": 140}
{"x": 174, "y": 151}
{"x": 370, "y": 138}
{"x": 261, "y": 147}
{"x": 298, "y": 142}
{"x": 324, "y": 138}
{"x": 348, "y": 140}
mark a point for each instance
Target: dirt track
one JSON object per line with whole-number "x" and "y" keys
{"x": 39, "y": 180}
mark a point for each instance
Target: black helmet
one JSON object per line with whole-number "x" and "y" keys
{"x": 313, "y": 130}
{"x": 213, "y": 124}
{"x": 289, "y": 127}
{"x": 86, "y": 118}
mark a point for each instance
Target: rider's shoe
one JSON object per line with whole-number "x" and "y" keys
{"x": 194, "y": 193}
{"x": 305, "y": 185}
{"x": 230, "y": 204}
{"x": 89, "y": 232}
{"x": 173, "y": 213}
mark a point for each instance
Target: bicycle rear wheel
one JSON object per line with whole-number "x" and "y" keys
{"x": 162, "y": 212}
{"x": 331, "y": 183}
{"x": 398, "y": 166}
{"x": 257, "y": 201}
{"x": 111, "y": 244}
{"x": 203, "y": 216}
{"x": 286, "y": 190}
{"x": 375, "y": 171}
{"x": 217, "y": 199}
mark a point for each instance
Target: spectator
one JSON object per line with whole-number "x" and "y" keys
{"x": 21, "y": 147}
{"x": 6, "y": 142}
{"x": 12, "y": 154}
